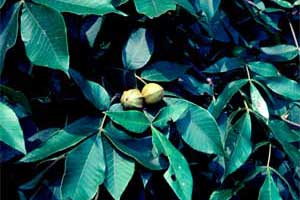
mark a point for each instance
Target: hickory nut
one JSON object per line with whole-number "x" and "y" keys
{"x": 132, "y": 99}
{"x": 152, "y": 93}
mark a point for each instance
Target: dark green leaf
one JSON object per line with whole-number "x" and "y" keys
{"x": 195, "y": 87}
{"x": 65, "y": 138}
{"x": 269, "y": 191}
{"x": 81, "y": 7}
{"x": 282, "y": 52}
{"x": 224, "y": 65}
{"x": 164, "y": 71}
{"x": 16, "y": 97}
{"x": 178, "y": 174}
{"x": 238, "y": 144}
{"x": 132, "y": 120}
{"x": 84, "y": 170}
{"x": 198, "y": 127}
{"x": 92, "y": 91}
{"x": 43, "y": 32}
{"x": 119, "y": 170}
{"x": 216, "y": 106}
{"x": 11, "y": 132}
{"x": 2, "y": 2}
{"x": 138, "y": 50}
{"x": 282, "y": 86}
{"x": 209, "y": 7}
{"x": 140, "y": 149}
{"x": 8, "y": 30}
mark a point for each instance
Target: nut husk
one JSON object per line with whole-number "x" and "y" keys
{"x": 132, "y": 99}
{"x": 153, "y": 93}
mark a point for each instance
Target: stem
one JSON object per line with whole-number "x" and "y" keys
{"x": 269, "y": 156}
{"x": 290, "y": 122}
{"x": 102, "y": 123}
{"x": 97, "y": 194}
{"x": 140, "y": 79}
{"x": 294, "y": 35}
{"x": 246, "y": 106}
{"x": 248, "y": 73}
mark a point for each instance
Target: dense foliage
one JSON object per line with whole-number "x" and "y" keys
{"x": 227, "y": 127}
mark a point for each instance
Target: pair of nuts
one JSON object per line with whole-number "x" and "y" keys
{"x": 151, "y": 94}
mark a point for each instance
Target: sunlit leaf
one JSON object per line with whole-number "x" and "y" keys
{"x": 268, "y": 190}
{"x": 11, "y": 132}
{"x": 258, "y": 103}
{"x": 131, "y": 120}
{"x": 119, "y": 170}
{"x": 138, "y": 49}
{"x": 43, "y": 32}
{"x": 95, "y": 7}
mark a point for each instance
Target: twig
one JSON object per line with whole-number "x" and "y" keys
{"x": 290, "y": 122}
{"x": 102, "y": 123}
{"x": 294, "y": 35}
{"x": 140, "y": 79}
{"x": 269, "y": 155}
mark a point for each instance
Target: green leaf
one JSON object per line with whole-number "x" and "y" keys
{"x": 209, "y": 7}
{"x": 140, "y": 149}
{"x": 269, "y": 191}
{"x": 154, "y": 8}
{"x": 263, "y": 68}
{"x": 284, "y": 4}
{"x": 81, "y": 7}
{"x": 43, "y": 32}
{"x": 92, "y": 91}
{"x": 198, "y": 128}
{"x": 138, "y": 50}
{"x": 164, "y": 71}
{"x": 167, "y": 114}
{"x": 178, "y": 174}
{"x": 8, "y": 31}
{"x": 225, "y": 194}
{"x": 132, "y": 120}
{"x": 92, "y": 32}
{"x": 282, "y": 131}
{"x": 11, "y": 132}
{"x": 84, "y": 170}
{"x": 65, "y": 138}
{"x": 225, "y": 64}
{"x": 258, "y": 103}
{"x": 238, "y": 144}
{"x": 119, "y": 170}
{"x": 2, "y": 2}
{"x": 282, "y": 52}
{"x": 216, "y": 106}
{"x": 195, "y": 87}
{"x": 282, "y": 86}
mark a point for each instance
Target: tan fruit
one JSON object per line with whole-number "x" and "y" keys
{"x": 132, "y": 99}
{"x": 152, "y": 93}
